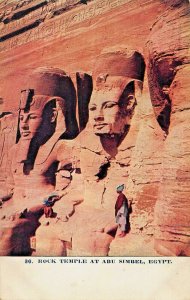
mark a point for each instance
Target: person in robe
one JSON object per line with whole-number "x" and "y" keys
{"x": 121, "y": 211}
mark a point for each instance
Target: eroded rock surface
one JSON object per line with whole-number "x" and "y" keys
{"x": 130, "y": 102}
{"x": 169, "y": 85}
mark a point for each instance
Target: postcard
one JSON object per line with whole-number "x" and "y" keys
{"x": 94, "y": 149}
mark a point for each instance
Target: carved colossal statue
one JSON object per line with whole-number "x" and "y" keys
{"x": 105, "y": 148}
{"x": 46, "y": 116}
{"x": 118, "y": 78}
{"x": 43, "y": 119}
{"x": 168, "y": 73}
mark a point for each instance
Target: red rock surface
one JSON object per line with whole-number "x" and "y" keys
{"x": 152, "y": 161}
{"x": 170, "y": 62}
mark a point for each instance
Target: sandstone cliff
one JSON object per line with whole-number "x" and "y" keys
{"x": 153, "y": 158}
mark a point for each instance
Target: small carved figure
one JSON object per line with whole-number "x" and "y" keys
{"x": 8, "y": 130}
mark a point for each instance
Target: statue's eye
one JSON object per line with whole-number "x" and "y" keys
{"x": 21, "y": 118}
{"x": 109, "y": 104}
{"x": 92, "y": 107}
{"x": 33, "y": 117}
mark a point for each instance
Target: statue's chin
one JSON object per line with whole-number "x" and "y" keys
{"x": 26, "y": 137}
{"x": 108, "y": 133}
{"x": 100, "y": 133}
{"x": 109, "y": 130}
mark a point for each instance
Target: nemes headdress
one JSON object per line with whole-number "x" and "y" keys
{"x": 115, "y": 68}
{"x": 49, "y": 82}
{"x": 120, "y": 61}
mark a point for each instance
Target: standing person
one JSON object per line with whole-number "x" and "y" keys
{"x": 48, "y": 203}
{"x": 121, "y": 211}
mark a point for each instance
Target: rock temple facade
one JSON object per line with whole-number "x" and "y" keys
{"x": 94, "y": 94}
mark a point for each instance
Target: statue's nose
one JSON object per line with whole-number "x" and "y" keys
{"x": 99, "y": 116}
{"x": 24, "y": 125}
{"x": 24, "y": 121}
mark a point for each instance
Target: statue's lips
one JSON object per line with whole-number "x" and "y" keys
{"x": 25, "y": 133}
{"x": 100, "y": 126}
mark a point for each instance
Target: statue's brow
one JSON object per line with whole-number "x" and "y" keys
{"x": 109, "y": 101}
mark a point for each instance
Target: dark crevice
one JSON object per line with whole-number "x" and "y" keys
{"x": 175, "y": 3}
{"x": 67, "y": 7}
{"x": 172, "y": 240}
{"x": 4, "y": 114}
{"x": 122, "y": 165}
{"x": 181, "y": 109}
{"x": 84, "y": 90}
{"x": 160, "y": 76}
{"x": 102, "y": 200}
{"x": 96, "y": 152}
{"x": 112, "y": 232}
{"x": 18, "y": 15}
{"x": 84, "y": 1}
{"x": 166, "y": 69}
{"x": 21, "y": 30}
{"x": 103, "y": 170}
{"x": 182, "y": 253}
{"x": 164, "y": 118}
{"x": 61, "y": 10}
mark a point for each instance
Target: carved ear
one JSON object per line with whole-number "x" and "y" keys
{"x": 127, "y": 99}
{"x": 54, "y": 115}
{"x": 131, "y": 102}
{"x": 51, "y": 106}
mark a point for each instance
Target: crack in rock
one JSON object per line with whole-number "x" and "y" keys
{"x": 93, "y": 151}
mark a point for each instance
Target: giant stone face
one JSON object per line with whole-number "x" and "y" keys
{"x": 111, "y": 106}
